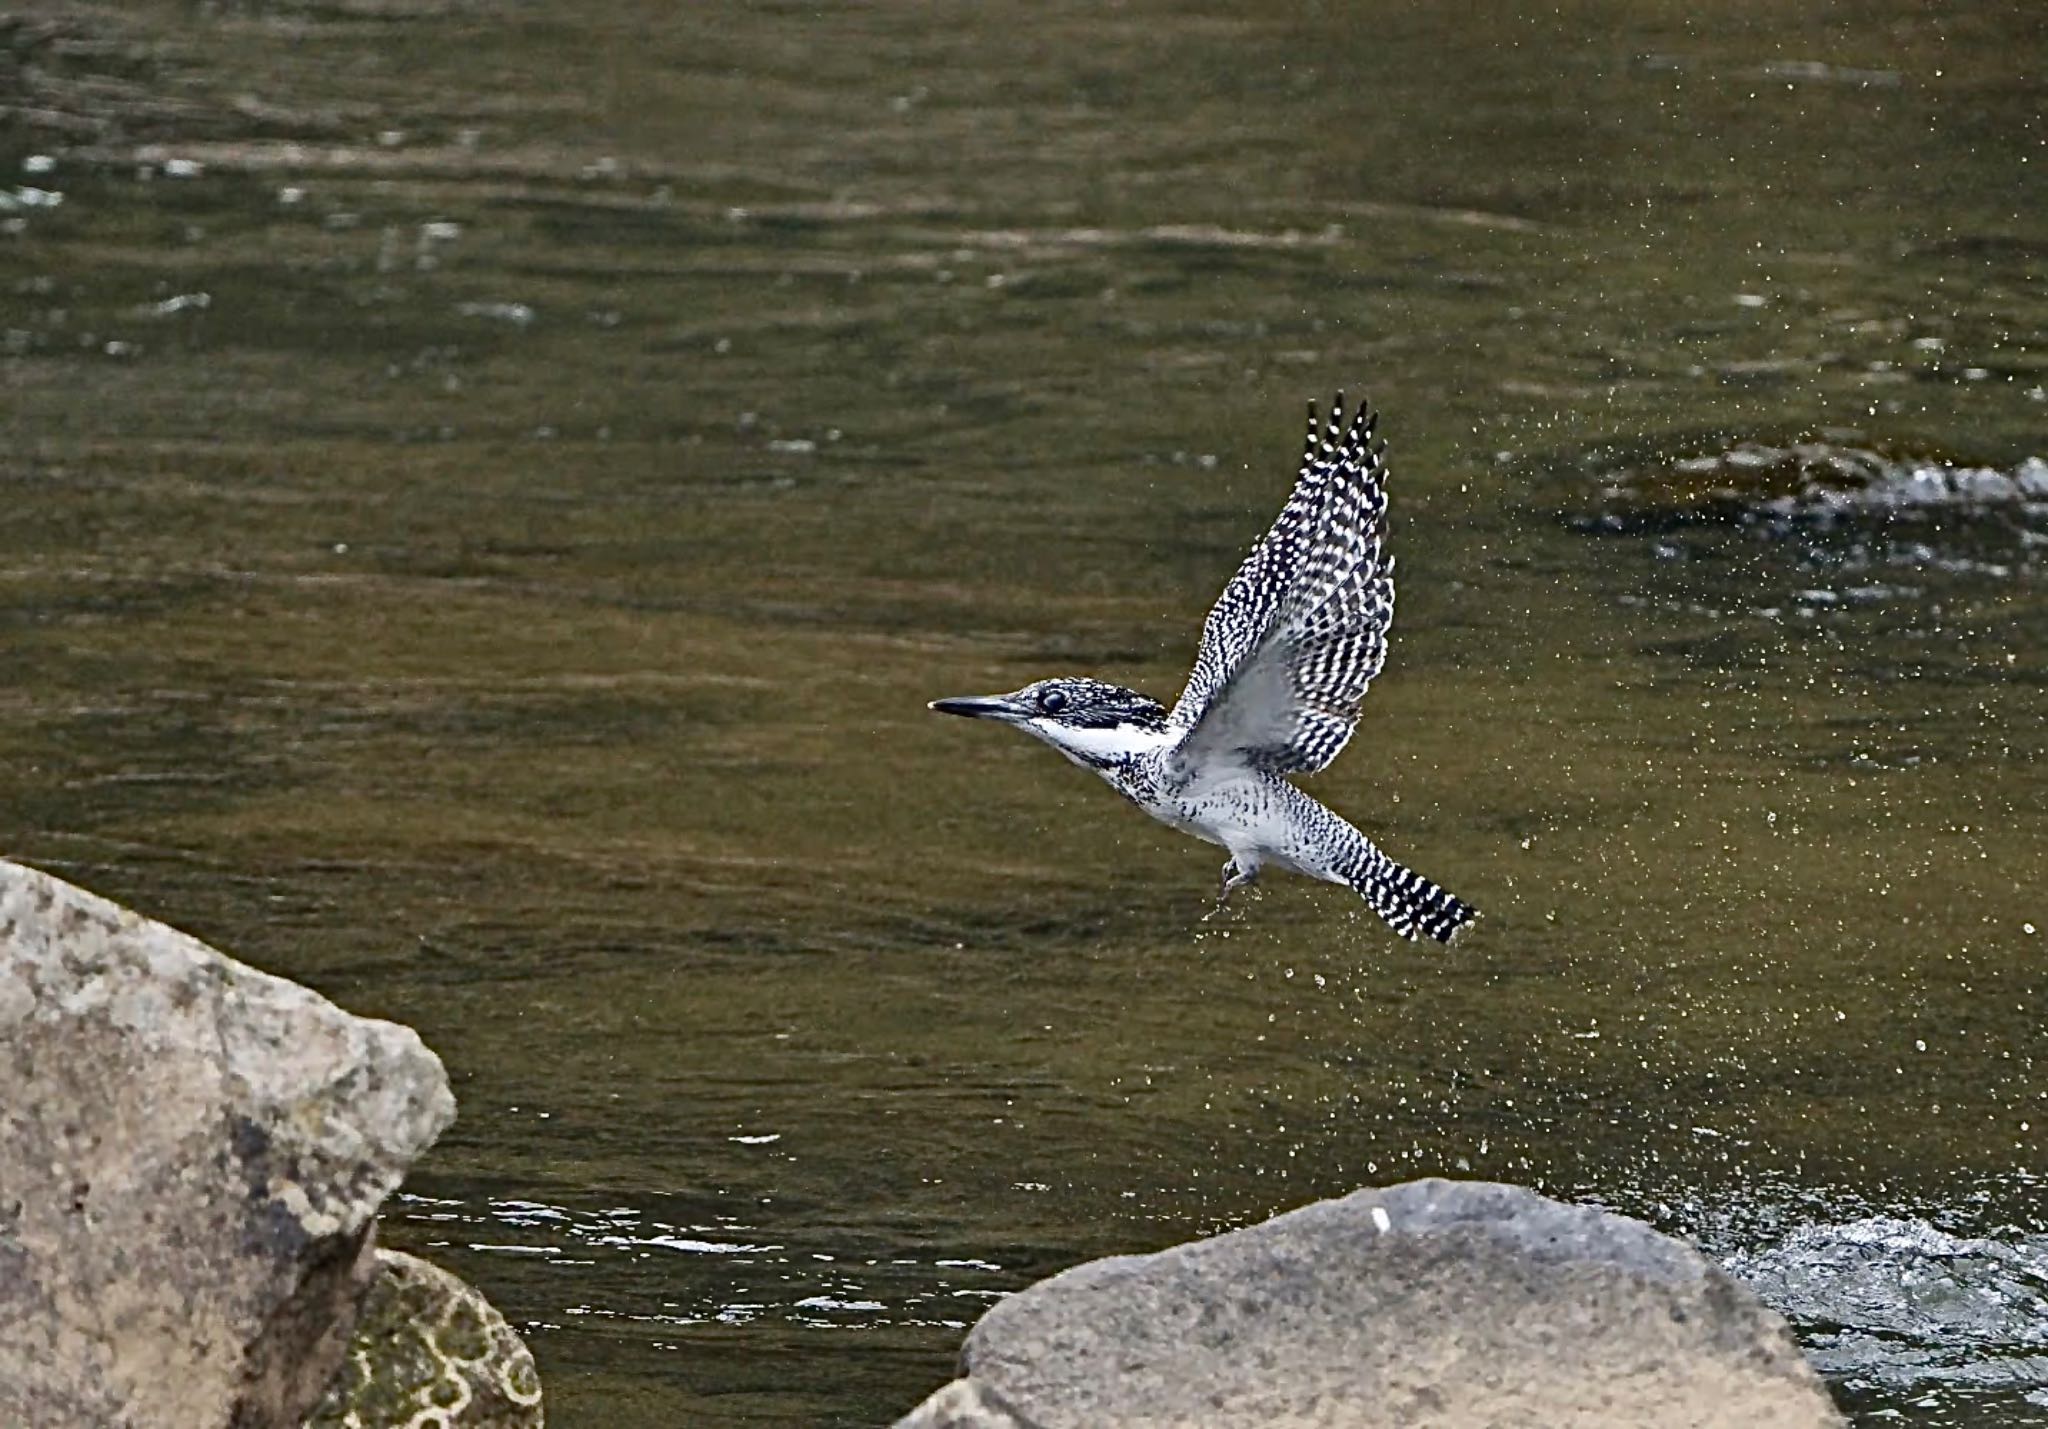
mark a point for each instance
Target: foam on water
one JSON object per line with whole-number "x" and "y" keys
{"x": 1894, "y": 1306}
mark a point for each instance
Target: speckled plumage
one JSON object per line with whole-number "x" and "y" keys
{"x": 1287, "y": 653}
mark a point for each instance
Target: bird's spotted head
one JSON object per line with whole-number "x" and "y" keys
{"x": 1092, "y": 723}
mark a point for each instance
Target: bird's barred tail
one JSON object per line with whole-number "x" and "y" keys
{"x": 1411, "y": 905}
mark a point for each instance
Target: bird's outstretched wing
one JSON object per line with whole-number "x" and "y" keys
{"x": 1301, "y": 629}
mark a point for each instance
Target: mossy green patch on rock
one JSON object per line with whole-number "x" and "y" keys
{"x": 429, "y": 1352}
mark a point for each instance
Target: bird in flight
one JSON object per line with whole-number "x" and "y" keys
{"x": 1286, "y": 655}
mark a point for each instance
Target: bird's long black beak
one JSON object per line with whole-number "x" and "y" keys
{"x": 978, "y": 707}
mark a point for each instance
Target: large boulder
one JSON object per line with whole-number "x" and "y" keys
{"x": 191, "y": 1154}
{"x": 1429, "y": 1305}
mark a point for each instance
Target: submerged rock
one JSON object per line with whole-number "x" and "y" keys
{"x": 1812, "y": 483}
{"x": 1433, "y": 1305}
{"x": 428, "y": 1349}
{"x": 191, "y": 1155}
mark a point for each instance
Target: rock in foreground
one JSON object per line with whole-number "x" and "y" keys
{"x": 191, "y": 1154}
{"x": 1429, "y": 1305}
{"x": 428, "y": 1349}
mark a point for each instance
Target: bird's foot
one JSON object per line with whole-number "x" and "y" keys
{"x": 1234, "y": 878}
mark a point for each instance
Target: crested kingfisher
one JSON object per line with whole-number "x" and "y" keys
{"x": 1286, "y": 655}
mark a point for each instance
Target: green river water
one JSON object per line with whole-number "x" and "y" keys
{"x": 489, "y": 487}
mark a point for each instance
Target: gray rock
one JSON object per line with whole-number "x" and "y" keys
{"x": 1429, "y": 1305}
{"x": 428, "y": 1350}
{"x": 191, "y": 1153}
{"x": 963, "y": 1404}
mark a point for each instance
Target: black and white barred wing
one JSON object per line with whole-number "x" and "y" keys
{"x": 1301, "y": 629}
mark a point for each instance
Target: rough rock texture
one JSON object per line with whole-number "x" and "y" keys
{"x": 190, "y": 1156}
{"x": 963, "y": 1404}
{"x": 1429, "y": 1305}
{"x": 429, "y": 1352}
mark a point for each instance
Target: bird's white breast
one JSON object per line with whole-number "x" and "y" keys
{"x": 1237, "y": 810}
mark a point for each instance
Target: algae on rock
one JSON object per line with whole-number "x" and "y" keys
{"x": 429, "y": 1352}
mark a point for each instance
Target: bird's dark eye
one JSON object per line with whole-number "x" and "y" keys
{"x": 1052, "y": 701}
